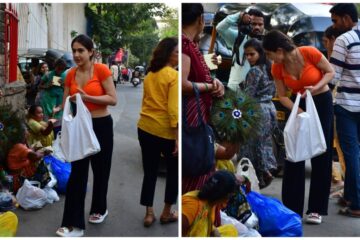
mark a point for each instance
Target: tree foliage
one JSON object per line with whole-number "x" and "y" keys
{"x": 126, "y": 25}
{"x": 171, "y": 24}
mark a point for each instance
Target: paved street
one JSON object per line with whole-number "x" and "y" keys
{"x": 334, "y": 225}
{"x": 125, "y": 213}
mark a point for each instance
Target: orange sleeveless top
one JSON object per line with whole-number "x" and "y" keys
{"x": 93, "y": 87}
{"x": 310, "y": 74}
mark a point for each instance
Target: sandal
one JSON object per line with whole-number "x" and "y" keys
{"x": 348, "y": 212}
{"x": 97, "y": 217}
{"x": 149, "y": 219}
{"x": 343, "y": 202}
{"x": 172, "y": 217}
{"x": 66, "y": 232}
{"x": 313, "y": 218}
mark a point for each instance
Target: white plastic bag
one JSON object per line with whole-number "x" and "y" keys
{"x": 226, "y": 219}
{"x": 51, "y": 194}
{"x": 31, "y": 197}
{"x": 57, "y": 149}
{"x": 303, "y": 134}
{"x": 78, "y": 139}
{"x": 246, "y": 168}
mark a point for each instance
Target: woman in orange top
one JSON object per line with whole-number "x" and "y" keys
{"x": 298, "y": 69}
{"x": 94, "y": 83}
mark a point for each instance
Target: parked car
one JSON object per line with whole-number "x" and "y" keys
{"x": 305, "y": 23}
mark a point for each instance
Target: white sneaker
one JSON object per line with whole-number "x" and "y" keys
{"x": 65, "y": 232}
{"x": 313, "y": 218}
{"x": 97, "y": 217}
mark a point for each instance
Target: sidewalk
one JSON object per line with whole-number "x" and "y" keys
{"x": 333, "y": 225}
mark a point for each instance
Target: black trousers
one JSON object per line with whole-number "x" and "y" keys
{"x": 74, "y": 211}
{"x": 293, "y": 186}
{"x": 151, "y": 149}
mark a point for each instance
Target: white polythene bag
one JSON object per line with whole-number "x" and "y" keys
{"x": 303, "y": 134}
{"x": 78, "y": 139}
{"x": 31, "y": 197}
{"x": 57, "y": 149}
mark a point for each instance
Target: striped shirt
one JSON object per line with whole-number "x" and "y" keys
{"x": 345, "y": 59}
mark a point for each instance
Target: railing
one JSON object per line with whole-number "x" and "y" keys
{"x": 10, "y": 42}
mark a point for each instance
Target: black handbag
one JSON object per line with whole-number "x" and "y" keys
{"x": 198, "y": 152}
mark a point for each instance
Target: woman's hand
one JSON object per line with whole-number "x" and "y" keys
{"x": 216, "y": 59}
{"x": 218, "y": 88}
{"x": 82, "y": 93}
{"x": 313, "y": 90}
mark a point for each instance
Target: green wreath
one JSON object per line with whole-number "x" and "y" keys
{"x": 11, "y": 130}
{"x": 235, "y": 116}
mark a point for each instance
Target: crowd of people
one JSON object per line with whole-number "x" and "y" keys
{"x": 94, "y": 82}
{"x": 266, "y": 64}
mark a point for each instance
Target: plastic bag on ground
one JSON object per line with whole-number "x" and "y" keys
{"x": 51, "y": 194}
{"x": 30, "y": 197}
{"x": 275, "y": 220}
{"x": 61, "y": 171}
{"x": 225, "y": 219}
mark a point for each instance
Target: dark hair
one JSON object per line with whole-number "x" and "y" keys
{"x": 162, "y": 54}
{"x": 255, "y": 12}
{"x": 256, "y": 44}
{"x": 40, "y": 66}
{"x": 342, "y": 9}
{"x": 241, "y": 34}
{"x": 332, "y": 32}
{"x": 85, "y": 41}
{"x": 32, "y": 110}
{"x": 218, "y": 186}
{"x": 190, "y": 12}
{"x": 60, "y": 62}
{"x": 275, "y": 39}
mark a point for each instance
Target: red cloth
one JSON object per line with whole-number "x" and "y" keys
{"x": 124, "y": 71}
{"x": 199, "y": 72}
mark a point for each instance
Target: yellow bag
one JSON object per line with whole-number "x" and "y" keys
{"x": 228, "y": 230}
{"x": 223, "y": 164}
{"x": 8, "y": 224}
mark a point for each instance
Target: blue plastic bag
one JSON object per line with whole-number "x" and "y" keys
{"x": 60, "y": 170}
{"x": 275, "y": 220}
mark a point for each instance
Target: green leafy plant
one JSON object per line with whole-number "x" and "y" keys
{"x": 11, "y": 130}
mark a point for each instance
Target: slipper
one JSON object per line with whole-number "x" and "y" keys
{"x": 97, "y": 217}
{"x": 348, "y": 212}
{"x": 173, "y": 217}
{"x": 344, "y": 203}
{"x": 149, "y": 219}
{"x": 65, "y": 232}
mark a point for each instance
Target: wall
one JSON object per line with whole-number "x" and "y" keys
{"x": 13, "y": 93}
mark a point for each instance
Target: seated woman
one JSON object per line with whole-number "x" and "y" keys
{"x": 23, "y": 162}
{"x": 197, "y": 205}
{"x": 39, "y": 131}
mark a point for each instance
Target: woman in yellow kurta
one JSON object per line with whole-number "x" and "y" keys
{"x": 38, "y": 129}
{"x": 198, "y": 207}
{"x": 158, "y": 129}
